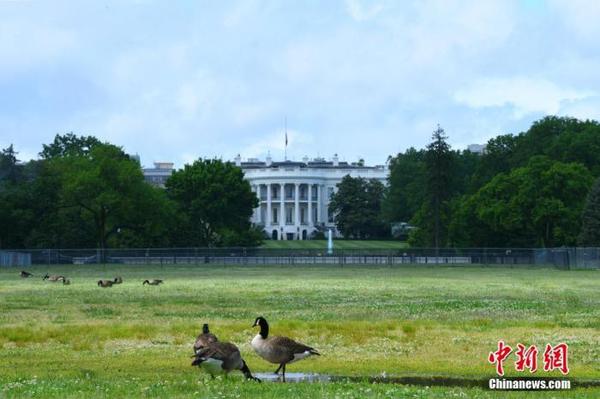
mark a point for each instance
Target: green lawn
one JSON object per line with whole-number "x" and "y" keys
{"x": 338, "y": 244}
{"x": 135, "y": 341}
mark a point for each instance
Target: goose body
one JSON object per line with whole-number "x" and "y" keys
{"x": 221, "y": 358}
{"x": 54, "y": 278}
{"x": 204, "y": 339}
{"x": 105, "y": 283}
{"x": 278, "y": 350}
{"x": 152, "y": 282}
{"x": 25, "y": 274}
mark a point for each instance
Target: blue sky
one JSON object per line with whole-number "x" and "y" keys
{"x": 181, "y": 80}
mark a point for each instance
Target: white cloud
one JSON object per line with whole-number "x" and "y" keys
{"x": 239, "y": 12}
{"x": 26, "y": 44}
{"x": 587, "y": 108}
{"x": 364, "y": 78}
{"x": 581, "y": 16}
{"x": 524, "y": 95}
{"x": 361, "y": 12}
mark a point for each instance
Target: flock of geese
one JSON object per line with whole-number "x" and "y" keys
{"x": 217, "y": 357}
{"x": 101, "y": 283}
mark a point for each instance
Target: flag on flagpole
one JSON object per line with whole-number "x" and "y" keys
{"x": 286, "y": 141}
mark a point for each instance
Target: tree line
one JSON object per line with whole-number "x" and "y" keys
{"x": 537, "y": 188}
{"x": 533, "y": 189}
{"x": 84, "y": 193}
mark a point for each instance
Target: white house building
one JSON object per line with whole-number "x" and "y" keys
{"x": 294, "y": 196}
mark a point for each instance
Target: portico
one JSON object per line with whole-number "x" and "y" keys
{"x": 294, "y": 196}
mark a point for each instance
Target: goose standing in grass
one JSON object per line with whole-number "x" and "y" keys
{"x": 118, "y": 280}
{"x": 278, "y": 350}
{"x": 152, "y": 282}
{"x": 222, "y": 358}
{"x": 105, "y": 283}
{"x": 54, "y": 278}
{"x": 204, "y": 339}
{"x": 25, "y": 274}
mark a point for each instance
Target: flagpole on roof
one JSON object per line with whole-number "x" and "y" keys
{"x": 286, "y": 140}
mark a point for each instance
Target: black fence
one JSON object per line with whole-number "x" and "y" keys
{"x": 564, "y": 258}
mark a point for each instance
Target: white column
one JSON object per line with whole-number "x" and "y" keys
{"x": 297, "y": 206}
{"x": 256, "y": 213}
{"x": 310, "y": 215}
{"x": 319, "y": 204}
{"x": 269, "y": 212}
{"x": 281, "y": 209}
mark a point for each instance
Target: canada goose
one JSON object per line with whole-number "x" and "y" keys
{"x": 54, "y": 278}
{"x": 204, "y": 339}
{"x": 222, "y": 358}
{"x": 25, "y": 274}
{"x": 152, "y": 282}
{"x": 105, "y": 283}
{"x": 66, "y": 281}
{"x": 118, "y": 280}
{"x": 278, "y": 350}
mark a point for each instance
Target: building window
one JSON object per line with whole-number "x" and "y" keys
{"x": 275, "y": 215}
{"x": 329, "y": 192}
{"x": 302, "y": 216}
{"x": 289, "y": 192}
{"x": 263, "y": 192}
{"x": 289, "y": 216}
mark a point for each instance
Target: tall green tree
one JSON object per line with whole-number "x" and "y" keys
{"x": 10, "y": 231}
{"x": 432, "y": 219}
{"x": 357, "y": 206}
{"x": 405, "y": 190}
{"x": 214, "y": 204}
{"x": 497, "y": 159}
{"x": 69, "y": 145}
{"x": 9, "y": 166}
{"x": 536, "y": 205}
{"x": 590, "y": 228}
{"x": 106, "y": 190}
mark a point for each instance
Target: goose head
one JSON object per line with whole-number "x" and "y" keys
{"x": 47, "y": 276}
{"x": 264, "y": 326}
{"x": 205, "y": 328}
{"x": 146, "y": 282}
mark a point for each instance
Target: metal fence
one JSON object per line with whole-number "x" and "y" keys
{"x": 564, "y": 258}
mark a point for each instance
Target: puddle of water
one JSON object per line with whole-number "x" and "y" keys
{"x": 293, "y": 377}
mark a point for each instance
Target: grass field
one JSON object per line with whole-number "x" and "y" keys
{"x": 338, "y": 244}
{"x": 135, "y": 341}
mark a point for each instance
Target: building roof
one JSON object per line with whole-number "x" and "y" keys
{"x": 314, "y": 164}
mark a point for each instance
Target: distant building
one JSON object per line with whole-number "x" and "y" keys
{"x": 477, "y": 148}
{"x": 158, "y": 175}
{"x": 294, "y": 196}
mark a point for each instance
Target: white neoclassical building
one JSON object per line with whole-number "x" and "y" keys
{"x": 294, "y": 196}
